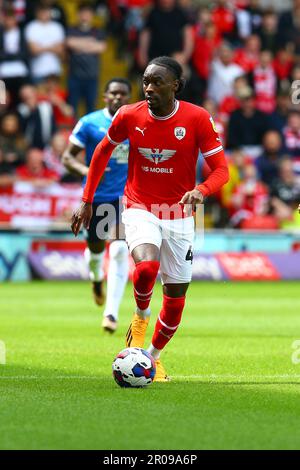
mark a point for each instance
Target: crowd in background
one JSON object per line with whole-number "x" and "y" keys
{"x": 241, "y": 61}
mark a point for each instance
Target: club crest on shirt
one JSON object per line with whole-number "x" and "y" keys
{"x": 179, "y": 132}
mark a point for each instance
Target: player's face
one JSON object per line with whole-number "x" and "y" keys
{"x": 116, "y": 96}
{"x": 159, "y": 86}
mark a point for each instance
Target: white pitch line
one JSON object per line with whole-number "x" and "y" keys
{"x": 237, "y": 377}
{"x": 174, "y": 377}
{"x": 46, "y": 377}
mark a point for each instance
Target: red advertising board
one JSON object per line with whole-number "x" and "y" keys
{"x": 24, "y": 205}
{"x": 247, "y": 266}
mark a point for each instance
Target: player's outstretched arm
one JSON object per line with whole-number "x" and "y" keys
{"x": 218, "y": 176}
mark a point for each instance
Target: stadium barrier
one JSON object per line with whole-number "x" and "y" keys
{"x": 225, "y": 255}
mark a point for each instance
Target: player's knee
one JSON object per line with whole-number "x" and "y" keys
{"x": 146, "y": 271}
{"x": 118, "y": 250}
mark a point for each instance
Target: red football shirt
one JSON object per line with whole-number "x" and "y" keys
{"x": 163, "y": 151}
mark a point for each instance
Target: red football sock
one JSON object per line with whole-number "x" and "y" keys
{"x": 144, "y": 277}
{"x": 168, "y": 321}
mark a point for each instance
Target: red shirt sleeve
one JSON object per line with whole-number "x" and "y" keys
{"x": 212, "y": 150}
{"x": 218, "y": 177}
{"x": 98, "y": 164}
{"x": 208, "y": 138}
{"x": 117, "y": 132}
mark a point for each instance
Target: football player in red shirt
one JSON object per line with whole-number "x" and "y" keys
{"x": 165, "y": 136}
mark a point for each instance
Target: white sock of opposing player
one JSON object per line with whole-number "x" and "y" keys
{"x": 143, "y": 313}
{"x": 155, "y": 353}
{"x": 94, "y": 262}
{"x": 116, "y": 277}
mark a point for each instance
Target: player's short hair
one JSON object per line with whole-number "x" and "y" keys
{"x": 124, "y": 81}
{"x": 173, "y": 66}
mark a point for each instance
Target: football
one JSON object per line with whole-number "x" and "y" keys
{"x": 134, "y": 367}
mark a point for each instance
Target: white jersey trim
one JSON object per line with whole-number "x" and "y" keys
{"x": 163, "y": 118}
{"x": 213, "y": 151}
{"x": 76, "y": 141}
{"x": 112, "y": 141}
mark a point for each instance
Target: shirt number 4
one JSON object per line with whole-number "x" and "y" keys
{"x": 189, "y": 255}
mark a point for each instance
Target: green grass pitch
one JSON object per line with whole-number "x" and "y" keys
{"x": 234, "y": 383}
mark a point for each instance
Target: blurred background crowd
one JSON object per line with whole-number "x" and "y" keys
{"x": 241, "y": 60}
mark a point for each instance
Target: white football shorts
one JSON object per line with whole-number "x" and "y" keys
{"x": 174, "y": 238}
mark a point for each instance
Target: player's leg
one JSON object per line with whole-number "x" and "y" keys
{"x": 94, "y": 257}
{"x": 144, "y": 238}
{"x": 117, "y": 276}
{"x": 144, "y": 276}
{"x": 169, "y": 317}
{"x": 176, "y": 273}
{"x": 90, "y": 94}
{"x": 74, "y": 93}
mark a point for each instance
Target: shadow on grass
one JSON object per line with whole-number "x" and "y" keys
{"x": 16, "y": 372}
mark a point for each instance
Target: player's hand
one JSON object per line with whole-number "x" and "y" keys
{"x": 190, "y": 199}
{"x": 81, "y": 216}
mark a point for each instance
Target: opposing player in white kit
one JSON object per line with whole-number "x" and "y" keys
{"x": 165, "y": 136}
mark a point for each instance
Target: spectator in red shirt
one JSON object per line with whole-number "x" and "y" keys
{"x": 53, "y": 154}
{"x": 206, "y": 41}
{"x": 52, "y": 92}
{"x": 283, "y": 64}
{"x": 34, "y": 170}
{"x": 224, "y": 18}
{"x": 265, "y": 83}
{"x": 247, "y": 57}
{"x": 250, "y": 198}
{"x": 232, "y": 102}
